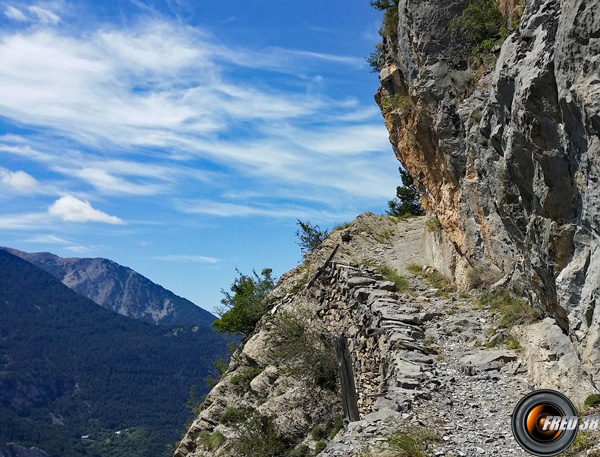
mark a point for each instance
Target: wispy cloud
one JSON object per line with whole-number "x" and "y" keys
{"x": 157, "y": 85}
{"x": 188, "y": 258}
{"x": 69, "y": 208}
{"x": 47, "y": 239}
{"x": 32, "y": 13}
{"x": 158, "y": 109}
{"x": 79, "y": 249}
{"x": 18, "y": 180}
{"x": 273, "y": 210}
{"x": 14, "y": 13}
{"x": 25, "y": 221}
{"x": 43, "y": 15}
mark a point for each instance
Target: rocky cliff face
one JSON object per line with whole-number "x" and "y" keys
{"x": 506, "y": 149}
{"x": 119, "y": 289}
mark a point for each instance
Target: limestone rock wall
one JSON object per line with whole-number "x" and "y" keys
{"x": 384, "y": 331}
{"x": 506, "y": 149}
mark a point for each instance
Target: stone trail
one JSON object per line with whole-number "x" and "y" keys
{"x": 428, "y": 371}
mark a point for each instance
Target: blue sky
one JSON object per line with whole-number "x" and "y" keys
{"x": 184, "y": 138}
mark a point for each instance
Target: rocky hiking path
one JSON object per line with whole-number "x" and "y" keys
{"x": 429, "y": 362}
{"x": 462, "y": 390}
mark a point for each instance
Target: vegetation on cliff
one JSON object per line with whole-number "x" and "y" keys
{"x": 482, "y": 26}
{"x": 389, "y": 28}
{"x": 406, "y": 202}
{"x": 310, "y": 236}
{"x": 247, "y": 303}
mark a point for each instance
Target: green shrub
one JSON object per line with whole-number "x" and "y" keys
{"x": 389, "y": 27}
{"x": 221, "y": 365}
{"x": 439, "y": 281}
{"x": 509, "y": 309}
{"x": 335, "y": 425}
{"x": 302, "y": 346}
{"x": 414, "y": 268}
{"x": 476, "y": 116}
{"x": 396, "y": 103}
{"x": 592, "y": 400}
{"x": 310, "y": 236}
{"x": 320, "y": 446}
{"x": 246, "y": 376}
{"x": 301, "y": 283}
{"x": 433, "y": 224}
{"x": 481, "y": 26}
{"x": 383, "y": 237}
{"x": 232, "y": 415}
{"x": 391, "y": 275}
{"x": 243, "y": 309}
{"x": 193, "y": 403}
{"x": 301, "y": 451}
{"x": 512, "y": 343}
{"x": 318, "y": 433}
{"x": 258, "y": 436}
{"x": 435, "y": 279}
{"x": 581, "y": 441}
{"x": 411, "y": 440}
{"x": 373, "y": 58}
{"x": 211, "y": 440}
{"x": 342, "y": 226}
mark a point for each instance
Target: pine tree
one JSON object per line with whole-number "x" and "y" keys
{"x": 407, "y": 198}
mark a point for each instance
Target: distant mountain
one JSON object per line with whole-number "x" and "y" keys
{"x": 119, "y": 289}
{"x": 73, "y": 374}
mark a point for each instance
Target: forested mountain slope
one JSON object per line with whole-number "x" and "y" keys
{"x": 69, "y": 368}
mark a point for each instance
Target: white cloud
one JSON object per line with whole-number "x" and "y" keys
{"x": 27, "y": 221}
{"x": 156, "y": 85}
{"x": 44, "y": 16}
{"x": 188, "y": 258}
{"x": 47, "y": 239}
{"x": 69, "y": 208}
{"x": 18, "y": 180}
{"x": 220, "y": 209}
{"x": 14, "y": 13}
{"x": 79, "y": 249}
{"x": 110, "y": 184}
{"x": 154, "y": 108}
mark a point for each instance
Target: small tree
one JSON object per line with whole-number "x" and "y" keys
{"x": 311, "y": 236}
{"x": 390, "y": 17}
{"x": 481, "y": 25}
{"x": 407, "y": 198}
{"x": 248, "y": 303}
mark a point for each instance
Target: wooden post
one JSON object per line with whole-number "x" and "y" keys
{"x": 322, "y": 268}
{"x": 349, "y": 399}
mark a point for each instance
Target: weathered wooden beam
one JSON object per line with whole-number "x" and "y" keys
{"x": 322, "y": 268}
{"x": 349, "y": 398}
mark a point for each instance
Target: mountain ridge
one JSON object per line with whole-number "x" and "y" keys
{"x": 119, "y": 288}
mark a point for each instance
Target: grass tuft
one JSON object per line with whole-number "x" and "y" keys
{"x": 320, "y": 446}
{"x": 414, "y": 268}
{"x": 410, "y": 442}
{"x": 246, "y": 376}
{"x": 592, "y": 400}
{"x": 211, "y": 440}
{"x": 509, "y": 309}
{"x": 390, "y": 274}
